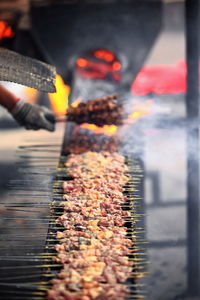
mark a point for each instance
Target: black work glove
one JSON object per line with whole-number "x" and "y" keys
{"x": 33, "y": 116}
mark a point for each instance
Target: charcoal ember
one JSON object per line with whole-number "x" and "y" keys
{"x": 101, "y": 111}
{"x": 80, "y": 143}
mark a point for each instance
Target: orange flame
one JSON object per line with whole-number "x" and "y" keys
{"x": 5, "y": 30}
{"x": 106, "y": 129}
{"x": 140, "y": 110}
{"x": 59, "y": 100}
{"x": 76, "y": 102}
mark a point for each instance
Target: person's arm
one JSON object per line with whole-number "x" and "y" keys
{"x": 28, "y": 115}
{"x": 7, "y": 99}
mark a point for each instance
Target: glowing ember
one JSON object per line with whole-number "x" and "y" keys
{"x": 116, "y": 66}
{"x": 104, "y": 54}
{"x": 106, "y": 129}
{"x": 99, "y": 64}
{"x": 59, "y": 100}
{"x": 5, "y": 30}
{"x": 82, "y": 62}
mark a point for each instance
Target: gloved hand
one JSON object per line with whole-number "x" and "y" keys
{"x": 33, "y": 116}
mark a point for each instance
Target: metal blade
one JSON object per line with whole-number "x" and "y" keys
{"x": 27, "y": 71}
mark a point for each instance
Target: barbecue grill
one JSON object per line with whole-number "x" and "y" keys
{"x": 29, "y": 277}
{"x": 27, "y": 267}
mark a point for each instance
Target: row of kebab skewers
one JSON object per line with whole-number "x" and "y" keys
{"x": 101, "y": 111}
{"x": 93, "y": 248}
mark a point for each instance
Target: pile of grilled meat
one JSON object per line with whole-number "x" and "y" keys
{"x": 93, "y": 247}
{"x": 83, "y": 141}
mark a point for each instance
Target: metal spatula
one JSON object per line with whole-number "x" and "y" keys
{"x": 26, "y": 71}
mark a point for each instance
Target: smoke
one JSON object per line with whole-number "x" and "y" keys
{"x": 163, "y": 116}
{"x": 86, "y": 90}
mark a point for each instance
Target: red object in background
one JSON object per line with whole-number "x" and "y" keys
{"x": 5, "y": 30}
{"x": 99, "y": 64}
{"x": 161, "y": 79}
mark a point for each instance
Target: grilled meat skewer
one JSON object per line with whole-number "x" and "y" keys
{"x": 100, "y": 111}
